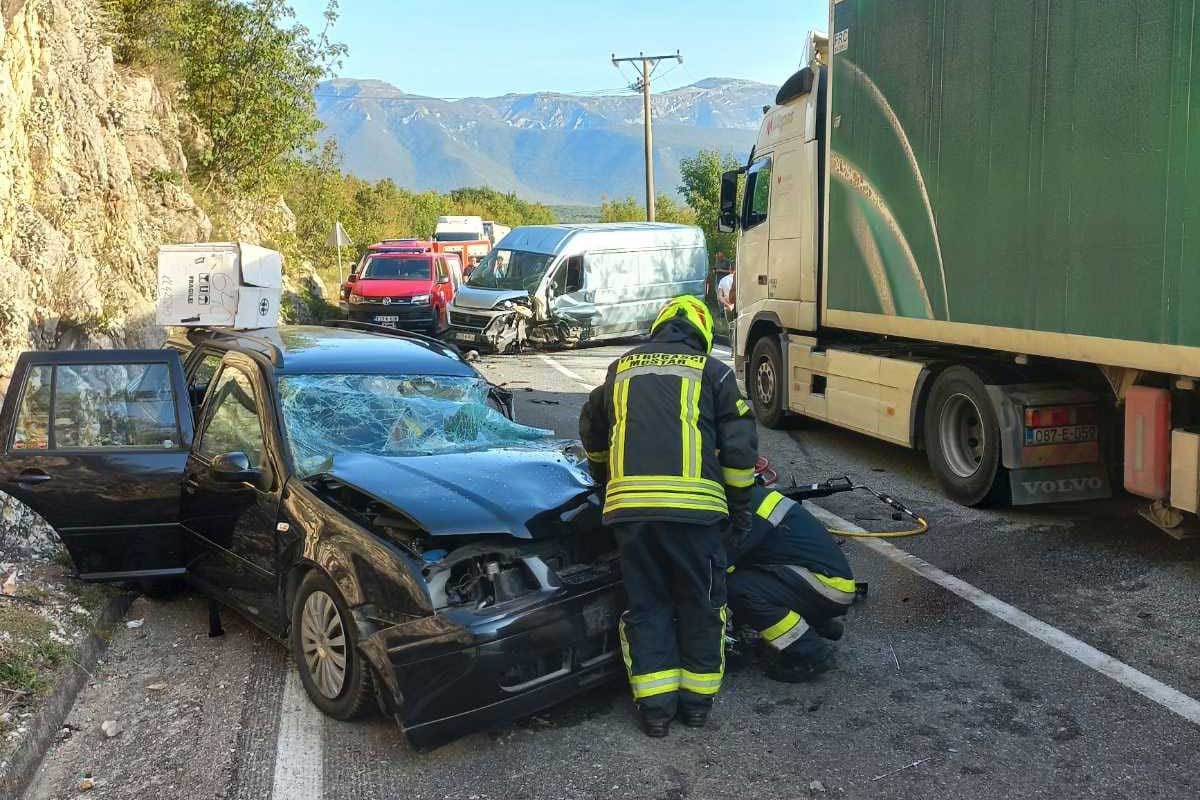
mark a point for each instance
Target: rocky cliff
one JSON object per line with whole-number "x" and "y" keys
{"x": 92, "y": 180}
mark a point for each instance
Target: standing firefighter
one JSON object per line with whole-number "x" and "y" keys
{"x": 673, "y": 439}
{"x": 791, "y": 582}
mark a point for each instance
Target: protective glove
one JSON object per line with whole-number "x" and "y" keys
{"x": 740, "y": 523}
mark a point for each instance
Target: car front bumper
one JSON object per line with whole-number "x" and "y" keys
{"x": 461, "y": 671}
{"x": 409, "y": 318}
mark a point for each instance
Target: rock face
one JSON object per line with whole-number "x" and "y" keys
{"x": 92, "y": 180}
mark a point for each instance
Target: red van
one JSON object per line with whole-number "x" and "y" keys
{"x": 407, "y": 287}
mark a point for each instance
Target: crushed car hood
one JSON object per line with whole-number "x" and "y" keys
{"x": 523, "y": 493}
{"x": 468, "y": 297}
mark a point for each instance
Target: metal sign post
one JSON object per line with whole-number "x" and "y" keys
{"x": 337, "y": 238}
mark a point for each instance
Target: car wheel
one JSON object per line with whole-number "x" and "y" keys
{"x": 764, "y": 382}
{"x": 962, "y": 439}
{"x": 325, "y": 648}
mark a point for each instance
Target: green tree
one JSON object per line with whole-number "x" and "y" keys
{"x": 245, "y": 69}
{"x": 700, "y": 185}
{"x": 630, "y": 209}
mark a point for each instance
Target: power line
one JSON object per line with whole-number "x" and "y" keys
{"x": 645, "y": 71}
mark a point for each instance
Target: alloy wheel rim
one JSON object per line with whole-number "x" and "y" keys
{"x": 766, "y": 383}
{"x": 323, "y": 640}
{"x": 963, "y": 437}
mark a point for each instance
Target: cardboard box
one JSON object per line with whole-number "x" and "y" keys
{"x": 219, "y": 284}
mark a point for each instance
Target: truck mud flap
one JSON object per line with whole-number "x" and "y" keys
{"x": 1059, "y": 484}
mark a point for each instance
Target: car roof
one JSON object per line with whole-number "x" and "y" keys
{"x": 318, "y": 349}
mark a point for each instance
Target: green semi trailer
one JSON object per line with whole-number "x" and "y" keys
{"x": 973, "y": 227}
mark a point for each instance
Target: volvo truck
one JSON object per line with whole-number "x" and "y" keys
{"x": 974, "y": 229}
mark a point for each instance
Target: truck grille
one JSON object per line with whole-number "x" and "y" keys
{"x": 476, "y": 321}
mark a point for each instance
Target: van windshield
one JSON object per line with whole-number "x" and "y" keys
{"x": 511, "y": 269}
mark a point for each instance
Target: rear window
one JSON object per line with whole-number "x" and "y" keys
{"x": 401, "y": 268}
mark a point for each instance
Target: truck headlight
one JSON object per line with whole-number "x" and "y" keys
{"x": 420, "y": 300}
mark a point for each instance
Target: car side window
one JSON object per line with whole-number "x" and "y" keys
{"x": 97, "y": 406}
{"x": 202, "y": 376}
{"x": 33, "y": 419}
{"x": 231, "y": 422}
{"x": 441, "y": 269}
{"x": 758, "y": 193}
{"x": 572, "y": 276}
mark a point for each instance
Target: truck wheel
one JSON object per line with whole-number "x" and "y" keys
{"x": 325, "y": 648}
{"x": 764, "y": 382}
{"x": 962, "y": 439}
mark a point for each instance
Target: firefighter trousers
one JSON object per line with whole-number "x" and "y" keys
{"x": 783, "y": 602}
{"x": 673, "y": 631}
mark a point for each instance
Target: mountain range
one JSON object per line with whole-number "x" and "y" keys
{"x": 544, "y": 146}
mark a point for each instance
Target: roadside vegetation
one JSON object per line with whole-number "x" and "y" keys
{"x": 244, "y": 71}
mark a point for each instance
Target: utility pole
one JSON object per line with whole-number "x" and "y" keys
{"x": 647, "y": 66}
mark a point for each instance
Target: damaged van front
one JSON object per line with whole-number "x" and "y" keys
{"x": 559, "y": 285}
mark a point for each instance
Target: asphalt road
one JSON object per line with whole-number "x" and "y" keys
{"x": 1055, "y": 654}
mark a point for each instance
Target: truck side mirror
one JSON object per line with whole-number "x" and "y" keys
{"x": 727, "y": 220}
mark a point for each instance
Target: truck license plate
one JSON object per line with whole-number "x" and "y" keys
{"x": 1067, "y": 434}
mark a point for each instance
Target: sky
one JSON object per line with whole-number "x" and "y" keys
{"x": 482, "y": 49}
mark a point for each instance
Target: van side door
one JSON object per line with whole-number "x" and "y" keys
{"x": 96, "y": 442}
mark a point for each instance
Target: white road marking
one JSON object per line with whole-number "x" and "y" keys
{"x": 298, "y": 756}
{"x": 575, "y": 376}
{"x": 1169, "y": 698}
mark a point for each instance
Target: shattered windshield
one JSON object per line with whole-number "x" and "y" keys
{"x": 391, "y": 415}
{"x": 511, "y": 269}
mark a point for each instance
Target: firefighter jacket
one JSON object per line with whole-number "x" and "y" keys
{"x": 670, "y": 433}
{"x": 785, "y": 534}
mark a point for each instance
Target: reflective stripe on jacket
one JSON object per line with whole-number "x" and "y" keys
{"x": 654, "y": 430}
{"x": 785, "y": 534}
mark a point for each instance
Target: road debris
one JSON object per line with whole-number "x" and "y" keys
{"x": 135, "y": 623}
{"x": 87, "y": 784}
{"x": 156, "y": 687}
{"x": 111, "y": 728}
{"x": 901, "y": 769}
{"x": 817, "y": 787}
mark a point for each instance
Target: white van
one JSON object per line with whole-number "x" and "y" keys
{"x": 565, "y": 284}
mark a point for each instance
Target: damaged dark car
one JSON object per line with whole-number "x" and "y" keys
{"x": 365, "y": 497}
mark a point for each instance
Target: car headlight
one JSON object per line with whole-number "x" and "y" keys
{"x": 507, "y": 305}
{"x": 420, "y": 300}
{"x": 355, "y": 299}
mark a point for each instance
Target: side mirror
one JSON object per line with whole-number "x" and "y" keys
{"x": 443, "y": 280}
{"x": 234, "y": 468}
{"x": 352, "y": 277}
{"x": 727, "y": 220}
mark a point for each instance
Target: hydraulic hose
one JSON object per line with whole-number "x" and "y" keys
{"x": 900, "y": 508}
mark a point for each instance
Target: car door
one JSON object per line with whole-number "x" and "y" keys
{"x": 234, "y": 521}
{"x": 96, "y": 442}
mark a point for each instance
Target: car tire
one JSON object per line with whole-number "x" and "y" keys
{"x": 962, "y": 439}
{"x": 322, "y": 631}
{"x": 764, "y": 382}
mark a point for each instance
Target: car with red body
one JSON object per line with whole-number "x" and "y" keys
{"x": 404, "y": 284}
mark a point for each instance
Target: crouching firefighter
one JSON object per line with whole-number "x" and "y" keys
{"x": 789, "y": 581}
{"x": 674, "y": 442}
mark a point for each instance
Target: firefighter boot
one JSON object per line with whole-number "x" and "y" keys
{"x": 807, "y": 658}
{"x": 654, "y": 724}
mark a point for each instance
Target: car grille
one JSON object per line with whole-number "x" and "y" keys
{"x": 477, "y": 321}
